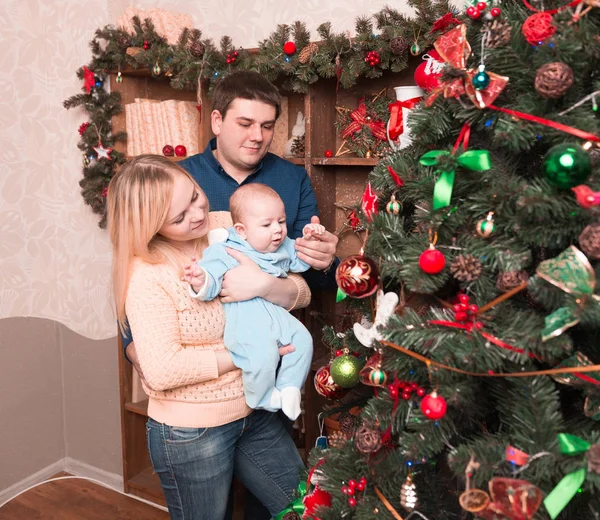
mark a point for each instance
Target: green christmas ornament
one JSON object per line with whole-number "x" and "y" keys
{"x": 378, "y": 377}
{"x": 393, "y": 207}
{"x": 481, "y": 79}
{"x": 345, "y": 370}
{"x": 415, "y": 49}
{"x": 485, "y": 227}
{"x": 567, "y": 165}
{"x": 156, "y": 69}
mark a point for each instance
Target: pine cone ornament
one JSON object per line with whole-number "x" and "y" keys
{"x": 347, "y": 424}
{"x": 307, "y": 53}
{"x": 552, "y": 80}
{"x": 589, "y": 241}
{"x": 298, "y": 146}
{"x": 593, "y": 459}
{"x": 508, "y": 280}
{"x": 196, "y": 49}
{"x": 500, "y": 33}
{"x": 466, "y": 268}
{"x": 337, "y": 439}
{"x": 367, "y": 440}
{"x": 399, "y": 45}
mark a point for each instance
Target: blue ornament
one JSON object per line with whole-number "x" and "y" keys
{"x": 287, "y": 58}
{"x": 216, "y": 73}
{"x": 481, "y": 79}
{"x": 98, "y": 83}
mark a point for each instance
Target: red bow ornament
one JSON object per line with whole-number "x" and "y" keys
{"x": 454, "y": 49}
{"x": 360, "y": 119}
{"x": 586, "y": 197}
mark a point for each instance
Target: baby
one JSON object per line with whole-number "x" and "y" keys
{"x": 255, "y": 329}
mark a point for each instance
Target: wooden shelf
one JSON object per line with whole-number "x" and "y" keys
{"x": 344, "y": 161}
{"x": 173, "y": 158}
{"x": 147, "y": 485}
{"x": 141, "y": 407}
{"x": 295, "y": 160}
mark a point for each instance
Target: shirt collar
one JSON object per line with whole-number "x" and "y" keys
{"x": 210, "y": 158}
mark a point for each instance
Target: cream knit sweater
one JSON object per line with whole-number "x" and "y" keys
{"x": 176, "y": 338}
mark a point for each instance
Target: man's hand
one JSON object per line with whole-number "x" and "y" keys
{"x": 194, "y": 275}
{"x": 244, "y": 282}
{"x": 319, "y": 251}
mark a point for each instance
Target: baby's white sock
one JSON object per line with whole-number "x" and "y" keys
{"x": 290, "y": 402}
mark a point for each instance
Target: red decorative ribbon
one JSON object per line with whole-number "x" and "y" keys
{"x": 89, "y": 80}
{"x": 587, "y": 379}
{"x": 552, "y": 124}
{"x": 454, "y": 49}
{"x": 397, "y": 180}
{"x": 396, "y": 127}
{"x": 444, "y": 22}
{"x": 551, "y": 11}
{"x": 360, "y": 119}
{"x": 463, "y": 137}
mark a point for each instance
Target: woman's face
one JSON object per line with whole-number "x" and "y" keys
{"x": 187, "y": 218}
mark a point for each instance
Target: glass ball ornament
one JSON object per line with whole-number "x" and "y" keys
{"x": 432, "y": 261}
{"x": 326, "y": 386}
{"x": 566, "y": 165}
{"x": 433, "y": 406}
{"x": 357, "y": 276}
{"x": 481, "y": 80}
{"x": 485, "y": 227}
{"x": 378, "y": 377}
{"x": 168, "y": 150}
{"x": 345, "y": 370}
{"x": 393, "y": 207}
{"x": 415, "y": 49}
{"x": 180, "y": 151}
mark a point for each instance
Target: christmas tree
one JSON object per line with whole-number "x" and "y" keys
{"x": 486, "y": 394}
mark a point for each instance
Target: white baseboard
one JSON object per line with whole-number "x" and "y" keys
{"x": 69, "y": 465}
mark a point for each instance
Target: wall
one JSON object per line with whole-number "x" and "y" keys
{"x": 58, "y": 353}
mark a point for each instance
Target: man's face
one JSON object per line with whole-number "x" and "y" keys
{"x": 244, "y": 135}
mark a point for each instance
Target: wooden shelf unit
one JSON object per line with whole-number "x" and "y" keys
{"x": 335, "y": 180}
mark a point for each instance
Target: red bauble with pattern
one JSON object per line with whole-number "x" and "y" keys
{"x": 428, "y": 74}
{"x": 432, "y": 261}
{"x": 289, "y": 48}
{"x": 168, "y": 150}
{"x": 357, "y": 276}
{"x": 180, "y": 151}
{"x": 434, "y": 406}
{"x": 325, "y": 385}
{"x": 313, "y": 500}
{"x": 538, "y": 28}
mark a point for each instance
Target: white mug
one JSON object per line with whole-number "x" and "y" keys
{"x": 402, "y": 94}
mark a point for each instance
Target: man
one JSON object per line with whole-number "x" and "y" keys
{"x": 245, "y": 109}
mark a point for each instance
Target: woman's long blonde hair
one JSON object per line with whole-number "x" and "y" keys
{"x": 138, "y": 201}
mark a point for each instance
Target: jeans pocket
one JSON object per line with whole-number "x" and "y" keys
{"x": 179, "y": 435}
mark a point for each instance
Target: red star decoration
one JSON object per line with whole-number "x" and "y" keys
{"x": 399, "y": 182}
{"x": 88, "y": 79}
{"x": 369, "y": 203}
{"x": 444, "y": 22}
{"x": 359, "y": 119}
{"x": 103, "y": 153}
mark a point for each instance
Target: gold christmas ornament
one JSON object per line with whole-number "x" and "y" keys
{"x": 393, "y": 207}
{"x": 486, "y": 227}
{"x": 408, "y": 494}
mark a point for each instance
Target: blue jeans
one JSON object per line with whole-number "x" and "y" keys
{"x": 196, "y": 465}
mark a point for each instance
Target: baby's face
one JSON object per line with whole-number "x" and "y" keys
{"x": 265, "y": 224}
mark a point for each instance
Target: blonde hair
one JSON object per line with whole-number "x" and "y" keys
{"x": 246, "y": 195}
{"x": 137, "y": 204}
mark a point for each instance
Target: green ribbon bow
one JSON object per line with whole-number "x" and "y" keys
{"x": 475, "y": 160}
{"x": 571, "y": 272}
{"x": 297, "y": 505}
{"x": 566, "y": 489}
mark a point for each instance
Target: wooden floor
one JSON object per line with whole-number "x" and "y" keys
{"x": 77, "y": 499}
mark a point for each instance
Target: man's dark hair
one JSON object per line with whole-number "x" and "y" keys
{"x": 245, "y": 84}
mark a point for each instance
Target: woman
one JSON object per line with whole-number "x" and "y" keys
{"x": 200, "y": 431}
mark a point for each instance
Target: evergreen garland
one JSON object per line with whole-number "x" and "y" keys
{"x": 195, "y": 58}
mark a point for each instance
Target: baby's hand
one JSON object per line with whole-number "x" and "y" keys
{"x": 312, "y": 231}
{"x": 194, "y": 275}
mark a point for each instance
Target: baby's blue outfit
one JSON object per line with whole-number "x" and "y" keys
{"x": 256, "y": 328}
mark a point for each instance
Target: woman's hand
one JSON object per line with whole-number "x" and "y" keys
{"x": 244, "y": 282}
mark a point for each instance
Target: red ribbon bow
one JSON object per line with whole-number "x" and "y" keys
{"x": 360, "y": 119}
{"x": 455, "y": 49}
{"x": 396, "y": 127}
{"x": 89, "y": 80}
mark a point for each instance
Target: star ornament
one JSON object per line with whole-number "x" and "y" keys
{"x": 444, "y": 22}
{"x": 103, "y": 153}
{"x": 369, "y": 203}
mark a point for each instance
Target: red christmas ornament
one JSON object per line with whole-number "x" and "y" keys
{"x": 168, "y": 150}
{"x": 369, "y": 203}
{"x": 482, "y": 6}
{"x": 496, "y": 12}
{"x": 180, "y": 150}
{"x": 313, "y": 500}
{"x": 352, "y": 502}
{"x": 357, "y": 276}
{"x": 433, "y": 406}
{"x": 289, "y": 48}
{"x": 328, "y": 153}
{"x": 105, "y": 192}
{"x": 325, "y": 386}
{"x": 432, "y": 261}
{"x": 372, "y": 58}
{"x": 89, "y": 79}
{"x": 146, "y": 45}
{"x": 83, "y": 127}
{"x": 537, "y": 28}
{"x": 428, "y": 74}
{"x": 473, "y": 13}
